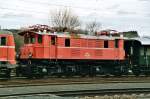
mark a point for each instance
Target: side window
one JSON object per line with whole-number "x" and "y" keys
{"x": 3, "y": 41}
{"x": 105, "y": 44}
{"x": 67, "y": 42}
{"x": 32, "y": 39}
{"x": 53, "y": 42}
{"x": 29, "y": 39}
{"x": 148, "y": 51}
{"x": 40, "y": 39}
{"x": 141, "y": 51}
{"x": 116, "y": 43}
{"x": 145, "y": 51}
{"x": 26, "y": 39}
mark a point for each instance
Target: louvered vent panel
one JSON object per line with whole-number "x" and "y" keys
{"x": 76, "y": 43}
{"x": 97, "y": 43}
{"x": 101, "y": 44}
{"x": 75, "y": 52}
{"x": 84, "y": 43}
{"x": 90, "y": 43}
{"x": 60, "y": 42}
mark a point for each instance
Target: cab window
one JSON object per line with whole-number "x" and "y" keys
{"x": 116, "y": 43}
{"x": 3, "y": 41}
{"x": 105, "y": 44}
{"x": 29, "y": 39}
{"x": 26, "y": 40}
{"x": 32, "y": 39}
{"x": 39, "y": 38}
{"x": 67, "y": 42}
{"x": 53, "y": 40}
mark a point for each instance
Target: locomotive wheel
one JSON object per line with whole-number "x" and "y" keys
{"x": 83, "y": 75}
{"x": 92, "y": 75}
{"x": 92, "y": 72}
{"x": 59, "y": 75}
{"x": 70, "y": 71}
{"x": 18, "y": 71}
{"x": 117, "y": 74}
{"x": 106, "y": 75}
{"x": 118, "y": 71}
{"x": 8, "y": 73}
{"x": 136, "y": 71}
{"x": 5, "y": 72}
{"x": 29, "y": 72}
{"x": 39, "y": 72}
{"x": 60, "y": 72}
{"x": 147, "y": 74}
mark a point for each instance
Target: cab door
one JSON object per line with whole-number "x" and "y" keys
{"x": 53, "y": 47}
{"x": 3, "y": 48}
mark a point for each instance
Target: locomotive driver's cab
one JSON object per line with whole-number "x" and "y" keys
{"x": 7, "y": 53}
{"x": 38, "y": 45}
{"x": 32, "y": 38}
{"x": 29, "y": 39}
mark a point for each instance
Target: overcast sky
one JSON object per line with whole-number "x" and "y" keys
{"x": 122, "y": 15}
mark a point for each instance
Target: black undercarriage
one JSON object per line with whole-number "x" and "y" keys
{"x": 4, "y": 69}
{"x": 40, "y": 68}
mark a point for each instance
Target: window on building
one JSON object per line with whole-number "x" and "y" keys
{"x": 40, "y": 39}
{"x": 105, "y": 44}
{"x": 116, "y": 43}
{"x": 53, "y": 40}
{"x": 3, "y": 41}
{"x": 67, "y": 42}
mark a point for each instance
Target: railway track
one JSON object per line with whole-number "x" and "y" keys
{"x": 83, "y": 93}
{"x": 75, "y": 90}
{"x": 64, "y": 81}
{"x": 103, "y": 92}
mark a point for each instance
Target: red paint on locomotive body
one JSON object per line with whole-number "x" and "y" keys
{"x": 7, "y": 47}
{"x": 63, "y": 46}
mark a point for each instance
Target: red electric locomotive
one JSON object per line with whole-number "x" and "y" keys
{"x": 7, "y": 53}
{"x": 47, "y": 53}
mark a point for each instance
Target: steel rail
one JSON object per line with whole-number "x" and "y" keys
{"x": 86, "y": 92}
{"x": 69, "y": 81}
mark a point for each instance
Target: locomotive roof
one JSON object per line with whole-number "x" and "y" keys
{"x": 145, "y": 40}
{"x": 5, "y": 32}
{"x": 67, "y": 35}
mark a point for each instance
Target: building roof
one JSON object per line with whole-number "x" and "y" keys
{"x": 143, "y": 40}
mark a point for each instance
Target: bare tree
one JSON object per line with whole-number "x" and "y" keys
{"x": 93, "y": 27}
{"x": 64, "y": 19}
